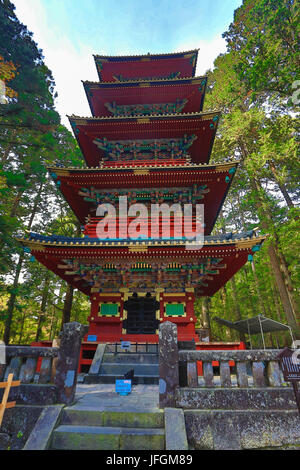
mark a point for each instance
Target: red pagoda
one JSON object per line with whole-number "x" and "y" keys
{"x": 148, "y": 140}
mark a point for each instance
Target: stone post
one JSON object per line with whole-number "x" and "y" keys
{"x": 168, "y": 365}
{"x": 68, "y": 361}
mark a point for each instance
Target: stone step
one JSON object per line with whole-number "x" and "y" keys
{"x": 84, "y": 416}
{"x": 121, "y": 369}
{"x": 132, "y": 358}
{"x": 107, "y": 438}
{"x": 111, "y": 378}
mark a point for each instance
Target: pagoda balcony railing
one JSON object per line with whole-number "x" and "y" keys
{"x": 190, "y": 195}
{"x": 121, "y": 78}
{"x": 147, "y": 150}
{"x": 146, "y": 109}
{"x": 167, "y": 226}
{"x": 146, "y": 163}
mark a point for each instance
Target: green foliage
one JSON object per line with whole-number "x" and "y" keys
{"x": 265, "y": 34}
{"x": 250, "y": 84}
{"x": 31, "y": 137}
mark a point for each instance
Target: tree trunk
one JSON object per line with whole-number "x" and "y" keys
{"x": 285, "y": 300}
{"x": 266, "y": 222}
{"x": 9, "y": 147}
{"x": 66, "y": 315}
{"x": 15, "y": 204}
{"x": 12, "y": 300}
{"x": 288, "y": 281}
{"x": 237, "y": 307}
{"x": 22, "y": 327}
{"x": 224, "y": 303}
{"x": 282, "y": 187}
{"x": 35, "y": 206}
{"x": 206, "y": 315}
{"x": 13, "y": 295}
{"x": 280, "y": 314}
{"x": 260, "y": 298}
{"x": 280, "y": 277}
{"x": 253, "y": 309}
{"x": 45, "y": 294}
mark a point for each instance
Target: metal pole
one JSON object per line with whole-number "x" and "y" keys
{"x": 291, "y": 333}
{"x": 249, "y": 334}
{"x": 262, "y": 333}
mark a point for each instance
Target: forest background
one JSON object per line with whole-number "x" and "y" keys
{"x": 256, "y": 85}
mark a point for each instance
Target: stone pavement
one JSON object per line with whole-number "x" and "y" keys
{"x": 103, "y": 398}
{"x": 142, "y": 398}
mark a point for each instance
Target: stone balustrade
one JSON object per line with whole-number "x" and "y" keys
{"x": 257, "y": 368}
{"x": 55, "y": 367}
{"x": 22, "y": 361}
{"x": 181, "y": 369}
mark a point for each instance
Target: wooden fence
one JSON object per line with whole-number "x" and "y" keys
{"x": 7, "y": 404}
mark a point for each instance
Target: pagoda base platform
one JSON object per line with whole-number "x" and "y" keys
{"x": 88, "y": 350}
{"x": 139, "y": 343}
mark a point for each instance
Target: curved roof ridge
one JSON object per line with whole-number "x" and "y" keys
{"x": 167, "y": 54}
{"x": 143, "y": 80}
{"x": 145, "y": 116}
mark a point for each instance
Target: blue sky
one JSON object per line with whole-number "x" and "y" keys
{"x": 70, "y": 31}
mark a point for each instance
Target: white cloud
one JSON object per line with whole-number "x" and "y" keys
{"x": 70, "y": 65}
{"x": 209, "y": 51}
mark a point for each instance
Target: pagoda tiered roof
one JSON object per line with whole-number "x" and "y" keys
{"x": 144, "y": 264}
{"x": 198, "y": 130}
{"x": 148, "y": 140}
{"x": 146, "y": 97}
{"x": 120, "y": 68}
{"x": 85, "y": 188}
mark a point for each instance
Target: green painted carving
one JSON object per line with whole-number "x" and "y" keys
{"x": 156, "y": 196}
{"x": 145, "y": 149}
{"x": 121, "y": 78}
{"x": 144, "y": 276}
{"x": 146, "y": 109}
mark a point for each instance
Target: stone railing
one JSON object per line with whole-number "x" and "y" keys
{"x": 58, "y": 366}
{"x": 179, "y": 369}
{"x": 22, "y": 361}
{"x": 257, "y": 368}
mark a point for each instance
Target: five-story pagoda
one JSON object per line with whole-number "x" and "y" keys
{"x": 147, "y": 142}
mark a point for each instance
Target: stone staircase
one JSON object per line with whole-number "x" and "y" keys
{"x": 114, "y": 364}
{"x": 91, "y": 429}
